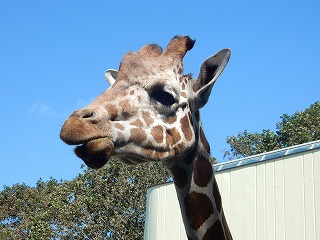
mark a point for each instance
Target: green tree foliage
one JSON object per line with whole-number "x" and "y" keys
{"x": 301, "y": 127}
{"x": 247, "y": 144}
{"x": 98, "y": 204}
{"x": 293, "y": 129}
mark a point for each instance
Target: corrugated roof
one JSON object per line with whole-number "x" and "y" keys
{"x": 267, "y": 156}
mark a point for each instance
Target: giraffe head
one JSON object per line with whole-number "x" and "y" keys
{"x": 147, "y": 113}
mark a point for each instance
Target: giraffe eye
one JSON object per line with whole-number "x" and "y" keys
{"x": 163, "y": 97}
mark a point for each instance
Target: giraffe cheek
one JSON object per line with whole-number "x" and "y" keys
{"x": 157, "y": 134}
{"x": 137, "y": 135}
{"x": 186, "y": 126}
{"x": 172, "y": 136}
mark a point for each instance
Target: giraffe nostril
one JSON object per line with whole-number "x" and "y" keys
{"x": 87, "y": 114}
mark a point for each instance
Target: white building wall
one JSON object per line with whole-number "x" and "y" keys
{"x": 266, "y": 200}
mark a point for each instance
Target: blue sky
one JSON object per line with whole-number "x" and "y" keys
{"x": 54, "y": 54}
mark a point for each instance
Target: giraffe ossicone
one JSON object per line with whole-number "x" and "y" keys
{"x": 149, "y": 113}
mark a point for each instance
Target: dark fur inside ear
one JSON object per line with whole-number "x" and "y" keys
{"x": 210, "y": 68}
{"x": 209, "y": 72}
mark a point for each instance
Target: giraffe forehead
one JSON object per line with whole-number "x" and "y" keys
{"x": 151, "y": 61}
{"x": 135, "y": 66}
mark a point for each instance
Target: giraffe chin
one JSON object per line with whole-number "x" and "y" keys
{"x": 95, "y": 153}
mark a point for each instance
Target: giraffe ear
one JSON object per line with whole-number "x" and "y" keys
{"x": 111, "y": 76}
{"x": 210, "y": 70}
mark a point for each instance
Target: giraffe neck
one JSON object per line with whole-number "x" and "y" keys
{"x": 198, "y": 193}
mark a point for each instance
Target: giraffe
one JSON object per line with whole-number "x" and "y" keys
{"x": 150, "y": 112}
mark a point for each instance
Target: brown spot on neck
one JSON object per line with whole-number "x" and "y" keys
{"x": 203, "y": 171}
{"x": 180, "y": 177}
{"x": 204, "y": 141}
{"x": 198, "y": 209}
{"x": 215, "y": 232}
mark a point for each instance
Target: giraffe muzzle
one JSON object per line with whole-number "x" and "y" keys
{"x": 93, "y": 147}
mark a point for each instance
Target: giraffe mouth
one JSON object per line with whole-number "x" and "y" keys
{"x": 95, "y": 153}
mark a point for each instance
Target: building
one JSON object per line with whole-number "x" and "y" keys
{"x": 275, "y": 195}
